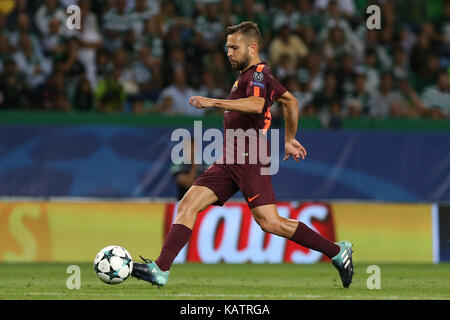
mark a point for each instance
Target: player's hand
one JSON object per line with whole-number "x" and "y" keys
{"x": 295, "y": 149}
{"x": 200, "y": 102}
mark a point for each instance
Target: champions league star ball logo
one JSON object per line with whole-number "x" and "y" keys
{"x": 258, "y": 76}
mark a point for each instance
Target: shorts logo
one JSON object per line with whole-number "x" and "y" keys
{"x": 235, "y": 86}
{"x": 252, "y": 198}
{"x": 257, "y": 84}
{"x": 258, "y": 76}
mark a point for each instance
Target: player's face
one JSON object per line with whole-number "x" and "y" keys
{"x": 238, "y": 51}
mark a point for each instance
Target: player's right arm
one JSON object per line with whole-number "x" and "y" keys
{"x": 290, "y": 110}
{"x": 250, "y": 104}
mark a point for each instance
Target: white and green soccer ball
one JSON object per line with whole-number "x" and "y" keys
{"x": 113, "y": 264}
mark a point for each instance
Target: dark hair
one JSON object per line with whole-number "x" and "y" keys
{"x": 248, "y": 29}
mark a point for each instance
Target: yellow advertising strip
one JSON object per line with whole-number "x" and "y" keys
{"x": 386, "y": 232}
{"x": 74, "y": 232}
{"x": 77, "y": 231}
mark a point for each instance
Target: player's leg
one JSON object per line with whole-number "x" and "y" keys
{"x": 214, "y": 186}
{"x": 340, "y": 253}
{"x": 268, "y": 219}
{"x": 196, "y": 199}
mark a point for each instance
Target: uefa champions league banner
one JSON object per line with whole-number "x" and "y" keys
{"x": 128, "y": 162}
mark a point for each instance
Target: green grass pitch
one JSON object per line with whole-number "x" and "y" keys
{"x": 47, "y": 281}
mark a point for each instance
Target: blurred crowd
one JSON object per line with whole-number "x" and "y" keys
{"x": 141, "y": 56}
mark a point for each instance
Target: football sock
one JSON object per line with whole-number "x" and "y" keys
{"x": 307, "y": 237}
{"x": 177, "y": 237}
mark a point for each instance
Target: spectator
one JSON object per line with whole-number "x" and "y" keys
{"x": 211, "y": 27}
{"x": 110, "y": 95}
{"x": 336, "y": 45}
{"x": 54, "y": 42}
{"x": 5, "y": 51}
{"x": 103, "y": 64}
{"x": 53, "y": 93}
{"x": 309, "y": 37}
{"x": 286, "y": 67}
{"x": 287, "y": 16}
{"x": 83, "y": 99}
{"x": 413, "y": 102}
{"x": 308, "y": 18}
{"x": 372, "y": 42}
{"x": 2, "y": 23}
{"x": 21, "y": 7}
{"x": 287, "y": 43}
{"x": 345, "y": 7}
{"x": 217, "y": 64}
{"x": 386, "y": 101}
{"x": 420, "y": 52}
{"x": 174, "y": 99}
{"x": 314, "y": 68}
{"x": 144, "y": 10}
{"x": 436, "y": 98}
{"x": 324, "y": 101}
{"x": 152, "y": 38}
{"x": 299, "y": 87}
{"x": 15, "y": 92}
{"x": 209, "y": 88}
{"x": 400, "y": 62}
{"x": 346, "y": 74}
{"x": 302, "y": 40}
{"x": 117, "y": 23}
{"x": 24, "y": 28}
{"x": 356, "y": 102}
{"x": 372, "y": 70}
{"x": 48, "y": 11}
{"x": 31, "y": 62}
{"x": 90, "y": 41}
{"x": 428, "y": 73}
{"x": 169, "y": 18}
{"x": 69, "y": 64}
{"x": 256, "y": 12}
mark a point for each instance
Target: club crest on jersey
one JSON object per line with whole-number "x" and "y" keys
{"x": 258, "y": 76}
{"x": 235, "y": 86}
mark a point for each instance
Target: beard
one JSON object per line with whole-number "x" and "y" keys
{"x": 241, "y": 65}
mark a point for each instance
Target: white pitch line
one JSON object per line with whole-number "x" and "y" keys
{"x": 291, "y": 296}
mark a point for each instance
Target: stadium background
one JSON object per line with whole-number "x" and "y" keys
{"x": 86, "y": 117}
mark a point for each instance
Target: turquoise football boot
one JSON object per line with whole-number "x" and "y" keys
{"x": 344, "y": 263}
{"x": 150, "y": 272}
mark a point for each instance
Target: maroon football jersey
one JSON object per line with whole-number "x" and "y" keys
{"x": 255, "y": 81}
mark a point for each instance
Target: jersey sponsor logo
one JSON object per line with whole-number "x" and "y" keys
{"x": 258, "y": 76}
{"x": 257, "y": 84}
{"x": 235, "y": 86}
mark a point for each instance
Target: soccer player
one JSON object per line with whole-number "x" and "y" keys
{"x": 248, "y": 107}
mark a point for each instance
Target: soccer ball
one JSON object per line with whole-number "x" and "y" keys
{"x": 113, "y": 264}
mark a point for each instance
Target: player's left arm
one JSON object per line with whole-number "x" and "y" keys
{"x": 290, "y": 110}
{"x": 250, "y": 104}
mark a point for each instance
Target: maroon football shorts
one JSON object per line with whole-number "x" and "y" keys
{"x": 227, "y": 179}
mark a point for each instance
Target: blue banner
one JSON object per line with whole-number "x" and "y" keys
{"x": 121, "y": 161}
